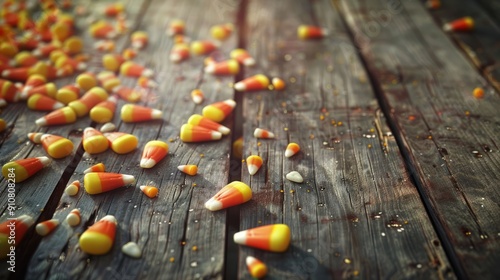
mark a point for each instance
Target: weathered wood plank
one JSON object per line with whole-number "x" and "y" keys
{"x": 357, "y": 214}
{"x": 447, "y": 136}
{"x": 179, "y": 238}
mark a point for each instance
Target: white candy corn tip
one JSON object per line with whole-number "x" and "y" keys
{"x": 239, "y": 86}
{"x": 108, "y": 127}
{"x": 71, "y": 190}
{"x": 41, "y": 122}
{"x": 44, "y": 160}
{"x": 224, "y": 130}
{"x": 197, "y": 99}
{"x": 240, "y": 237}
{"x": 42, "y": 229}
{"x": 252, "y": 169}
{"x": 249, "y": 260}
{"x": 131, "y": 249}
{"x": 3, "y": 103}
{"x": 216, "y": 135}
{"x": 156, "y": 114}
{"x": 213, "y": 205}
{"x": 230, "y": 102}
{"x": 73, "y": 218}
{"x": 128, "y": 179}
{"x": 447, "y": 27}
{"x": 57, "y": 105}
{"x": 295, "y": 176}
{"x": 147, "y": 163}
{"x": 175, "y": 57}
{"x": 249, "y": 61}
{"x": 110, "y": 218}
{"x": 148, "y": 73}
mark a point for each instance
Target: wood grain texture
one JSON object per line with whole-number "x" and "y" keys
{"x": 447, "y": 136}
{"x": 357, "y": 214}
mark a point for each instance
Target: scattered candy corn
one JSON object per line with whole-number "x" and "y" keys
{"x": 112, "y": 62}
{"x": 8, "y": 91}
{"x": 108, "y": 127}
{"x": 256, "y": 267}
{"x": 94, "y": 141}
{"x": 73, "y": 219}
{"x": 232, "y": 194}
{"x": 131, "y": 249}
{"x": 122, "y": 143}
{"x": 129, "y": 53}
{"x": 98, "y": 238}
{"x": 128, "y": 94}
{"x": 154, "y": 151}
{"x": 202, "y": 47}
{"x": 292, "y": 149}
{"x": 24, "y": 168}
{"x": 139, "y": 39}
{"x": 33, "y": 81}
{"x": 104, "y": 111}
{"x": 176, "y": 27}
{"x": 64, "y": 115}
{"x": 228, "y": 67}
{"x": 41, "y": 102}
{"x": 35, "y": 137}
{"x": 194, "y": 133}
{"x": 242, "y": 56}
{"x": 278, "y": 84}
{"x": 478, "y": 93}
{"x": 262, "y": 133}
{"x": 102, "y": 29}
{"x": 189, "y": 169}
{"x": 56, "y": 146}
{"x": 91, "y": 98}
{"x": 254, "y": 83}
{"x": 136, "y": 113}
{"x": 104, "y": 46}
{"x": 149, "y": 191}
{"x": 16, "y": 229}
{"x": 73, "y": 188}
{"x": 253, "y": 163}
{"x": 237, "y": 148}
{"x": 459, "y": 25}
{"x": 306, "y": 32}
{"x": 208, "y": 123}
{"x": 218, "y": 111}
{"x": 222, "y": 31}
{"x": 295, "y": 176}
{"x": 114, "y": 9}
{"x": 146, "y": 82}
{"x": 68, "y": 93}
{"x": 197, "y": 96}
{"x": 48, "y": 89}
{"x": 86, "y": 81}
{"x": 108, "y": 80}
{"x": 179, "y": 52}
{"x": 46, "y": 227}
{"x": 99, "y": 182}
{"x": 132, "y": 69}
{"x": 95, "y": 168}
{"x": 273, "y": 238}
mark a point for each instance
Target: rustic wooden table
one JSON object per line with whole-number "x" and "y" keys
{"x": 400, "y": 162}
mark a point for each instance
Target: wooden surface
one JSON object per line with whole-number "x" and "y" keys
{"x": 400, "y": 162}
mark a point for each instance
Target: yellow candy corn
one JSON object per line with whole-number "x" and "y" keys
{"x": 232, "y": 194}
{"x": 56, "y": 146}
{"x": 98, "y": 239}
{"x": 273, "y": 238}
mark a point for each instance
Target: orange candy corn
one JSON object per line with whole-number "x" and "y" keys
{"x": 48, "y": 89}
{"x": 189, "y": 169}
{"x": 108, "y": 80}
{"x": 112, "y": 62}
{"x": 292, "y": 149}
{"x": 197, "y": 96}
{"x": 95, "y": 168}
{"x": 305, "y": 32}
{"x": 256, "y": 267}
{"x": 93, "y": 141}
{"x": 460, "y": 25}
{"x": 56, "y": 146}
{"x": 98, "y": 239}
{"x": 8, "y": 91}
{"x": 132, "y": 69}
{"x": 153, "y": 152}
{"x": 104, "y": 46}
{"x": 128, "y": 94}
{"x": 208, "y": 123}
{"x": 17, "y": 74}
{"x": 273, "y": 238}
{"x": 73, "y": 219}
{"x": 150, "y": 191}
{"x": 46, "y": 227}
{"x": 73, "y": 188}
{"x": 194, "y": 133}
{"x": 114, "y": 9}
{"x": 64, "y": 115}
{"x": 253, "y": 163}
{"x": 91, "y": 98}
{"x": 179, "y": 52}
{"x": 232, "y": 194}
{"x": 121, "y": 143}
{"x": 129, "y": 54}
{"x": 41, "y": 102}
{"x": 35, "y": 137}
{"x": 257, "y": 82}
{"x": 218, "y": 111}
{"x": 221, "y": 31}
{"x": 102, "y": 29}
{"x": 99, "y": 182}
{"x": 33, "y": 81}
{"x": 262, "y": 133}
{"x": 228, "y": 67}
{"x": 202, "y": 47}
{"x": 278, "y": 84}
{"x": 103, "y": 112}
{"x": 139, "y": 39}
{"x": 15, "y": 228}
{"x": 68, "y": 93}
{"x": 242, "y": 56}
{"x": 25, "y": 59}
{"x": 136, "y": 113}
{"x": 24, "y": 168}
{"x": 176, "y": 27}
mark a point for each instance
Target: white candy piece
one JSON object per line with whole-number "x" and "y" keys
{"x": 295, "y": 176}
{"x": 131, "y": 249}
{"x": 108, "y": 127}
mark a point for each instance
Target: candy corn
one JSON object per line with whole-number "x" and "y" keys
{"x": 99, "y": 182}
{"x": 146, "y": 82}
{"x": 108, "y": 127}
{"x": 98, "y": 239}
{"x": 73, "y": 188}
{"x": 131, "y": 249}
{"x": 102, "y": 29}
{"x": 73, "y": 219}
{"x": 139, "y": 39}
{"x": 194, "y": 133}
{"x": 292, "y": 149}
{"x": 305, "y": 32}
{"x": 56, "y": 146}
{"x": 208, "y": 123}
{"x": 122, "y": 143}
{"x": 48, "y": 89}
{"x": 154, "y": 151}
{"x": 104, "y": 111}
{"x": 22, "y": 169}
{"x": 257, "y": 82}
{"x": 86, "y": 81}
{"x": 91, "y": 98}
{"x": 64, "y": 115}
{"x": 256, "y": 267}
{"x": 95, "y": 168}
{"x": 176, "y": 27}
{"x": 14, "y": 230}
{"x": 222, "y": 31}
{"x": 232, "y": 194}
{"x": 278, "y": 84}
{"x": 242, "y": 56}
{"x": 136, "y": 113}
{"x": 104, "y": 46}
{"x": 33, "y": 81}
{"x": 108, "y": 80}
{"x": 128, "y": 94}
{"x": 35, "y": 137}
{"x": 460, "y": 25}
{"x": 253, "y": 163}
{"x": 129, "y": 53}
{"x": 294, "y": 176}
{"x": 8, "y": 91}
{"x": 132, "y": 69}
{"x": 73, "y": 45}
{"x": 68, "y": 93}
{"x": 25, "y": 59}
{"x": 179, "y": 52}
{"x": 237, "y": 148}
{"x": 189, "y": 169}
{"x": 46, "y": 227}
{"x": 114, "y": 9}
{"x": 202, "y": 47}
{"x": 228, "y": 67}
{"x": 17, "y": 74}
{"x": 218, "y": 111}
{"x": 273, "y": 238}
{"x": 150, "y": 191}
{"x": 112, "y": 62}
{"x": 40, "y": 102}
{"x": 197, "y": 96}
{"x": 262, "y": 133}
